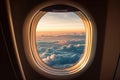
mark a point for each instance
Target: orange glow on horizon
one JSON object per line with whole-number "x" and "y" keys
{"x": 54, "y": 24}
{"x": 55, "y": 33}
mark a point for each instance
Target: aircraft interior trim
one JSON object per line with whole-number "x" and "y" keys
{"x": 59, "y": 40}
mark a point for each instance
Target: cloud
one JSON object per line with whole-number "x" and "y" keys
{"x": 62, "y": 56}
{"x": 74, "y": 35}
{"x": 61, "y": 36}
{"x": 62, "y": 61}
{"x": 78, "y": 45}
{"x": 72, "y": 48}
{"x": 49, "y": 58}
{"x": 71, "y": 35}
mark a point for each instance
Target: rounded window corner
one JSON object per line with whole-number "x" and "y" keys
{"x": 29, "y": 40}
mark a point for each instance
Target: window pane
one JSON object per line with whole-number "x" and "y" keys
{"x": 60, "y": 39}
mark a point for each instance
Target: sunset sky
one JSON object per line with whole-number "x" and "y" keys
{"x": 60, "y": 39}
{"x": 64, "y": 21}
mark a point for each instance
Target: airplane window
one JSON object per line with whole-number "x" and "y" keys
{"x": 60, "y": 39}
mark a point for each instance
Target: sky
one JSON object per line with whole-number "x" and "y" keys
{"x": 62, "y": 21}
{"x": 59, "y": 39}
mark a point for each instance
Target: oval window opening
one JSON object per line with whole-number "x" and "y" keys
{"x": 60, "y": 39}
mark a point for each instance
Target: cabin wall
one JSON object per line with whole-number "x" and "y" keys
{"x": 106, "y": 14}
{"x": 98, "y": 9}
{"x": 111, "y": 49}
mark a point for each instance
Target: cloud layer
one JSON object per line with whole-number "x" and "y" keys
{"x": 61, "y": 56}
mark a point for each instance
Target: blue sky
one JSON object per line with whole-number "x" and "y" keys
{"x": 64, "y": 21}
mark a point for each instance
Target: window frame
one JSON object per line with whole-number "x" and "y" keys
{"x": 31, "y": 53}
